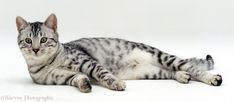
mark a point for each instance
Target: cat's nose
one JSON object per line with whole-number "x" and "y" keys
{"x": 35, "y": 50}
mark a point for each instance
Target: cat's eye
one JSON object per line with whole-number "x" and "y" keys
{"x": 28, "y": 40}
{"x": 43, "y": 39}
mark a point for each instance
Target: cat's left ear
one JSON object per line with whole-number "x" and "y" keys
{"x": 51, "y": 22}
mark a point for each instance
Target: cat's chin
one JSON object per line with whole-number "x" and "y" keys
{"x": 35, "y": 59}
{"x": 36, "y": 56}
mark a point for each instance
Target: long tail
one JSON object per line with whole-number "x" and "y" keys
{"x": 203, "y": 64}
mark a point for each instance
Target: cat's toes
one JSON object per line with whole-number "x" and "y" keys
{"x": 118, "y": 85}
{"x": 183, "y": 77}
{"x": 84, "y": 85}
{"x": 216, "y": 80}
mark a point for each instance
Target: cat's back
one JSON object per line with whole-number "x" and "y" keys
{"x": 104, "y": 45}
{"x": 104, "y": 50}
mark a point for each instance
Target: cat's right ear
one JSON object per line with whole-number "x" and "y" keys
{"x": 20, "y": 23}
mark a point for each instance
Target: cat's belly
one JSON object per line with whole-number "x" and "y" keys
{"x": 134, "y": 65}
{"x": 137, "y": 72}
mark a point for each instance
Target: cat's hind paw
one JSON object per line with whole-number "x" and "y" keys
{"x": 183, "y": 77}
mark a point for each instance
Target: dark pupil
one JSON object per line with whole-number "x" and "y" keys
{"x": 28, "y": 40}
{"x": 43, "y": 40}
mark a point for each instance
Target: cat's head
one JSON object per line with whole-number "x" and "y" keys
{"x": 38, "y": 39}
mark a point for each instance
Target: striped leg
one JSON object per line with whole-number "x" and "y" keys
{"x": 208, "y": 78}
{"x": 175, "y": 63}
{"x": 158, "y": 73}
{"x": 57, "y": 76}
{"x": 103, "y": 76}
{"x": 196, "y": 67}
{"x": 172, "y": 62}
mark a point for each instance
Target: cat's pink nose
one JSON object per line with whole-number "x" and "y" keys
{"x": 35, "y": 50}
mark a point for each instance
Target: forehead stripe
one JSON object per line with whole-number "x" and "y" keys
{"x": 35, "y": 28}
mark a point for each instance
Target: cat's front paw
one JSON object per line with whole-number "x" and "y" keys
{"x": 84, "y": 85}
{"x": 216, "y": 80}
{"x": 183, "y": 77}
{"x": 118, "y": 85}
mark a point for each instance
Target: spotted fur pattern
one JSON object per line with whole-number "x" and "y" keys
{"x": 106, "y": 61}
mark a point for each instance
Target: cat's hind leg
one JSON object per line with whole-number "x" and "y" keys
{"x": 140, "y": 65}
{"x": 142, "y": 71}
{"x": 196, "y": 67}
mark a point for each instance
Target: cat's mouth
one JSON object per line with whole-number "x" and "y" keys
{"x": 36, "y": 54}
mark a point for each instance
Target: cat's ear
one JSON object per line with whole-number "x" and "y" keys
{"x": 20, "y": 23}
{"x": 51, "y": 22}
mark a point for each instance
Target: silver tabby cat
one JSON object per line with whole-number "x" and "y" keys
{"x": 104, "y": 61}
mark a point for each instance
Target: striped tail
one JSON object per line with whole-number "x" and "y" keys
{"x": 203, "y": 64}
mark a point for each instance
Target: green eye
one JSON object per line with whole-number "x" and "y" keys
{"x": 43, "y": 39}
{"x": 28, "y": 40}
